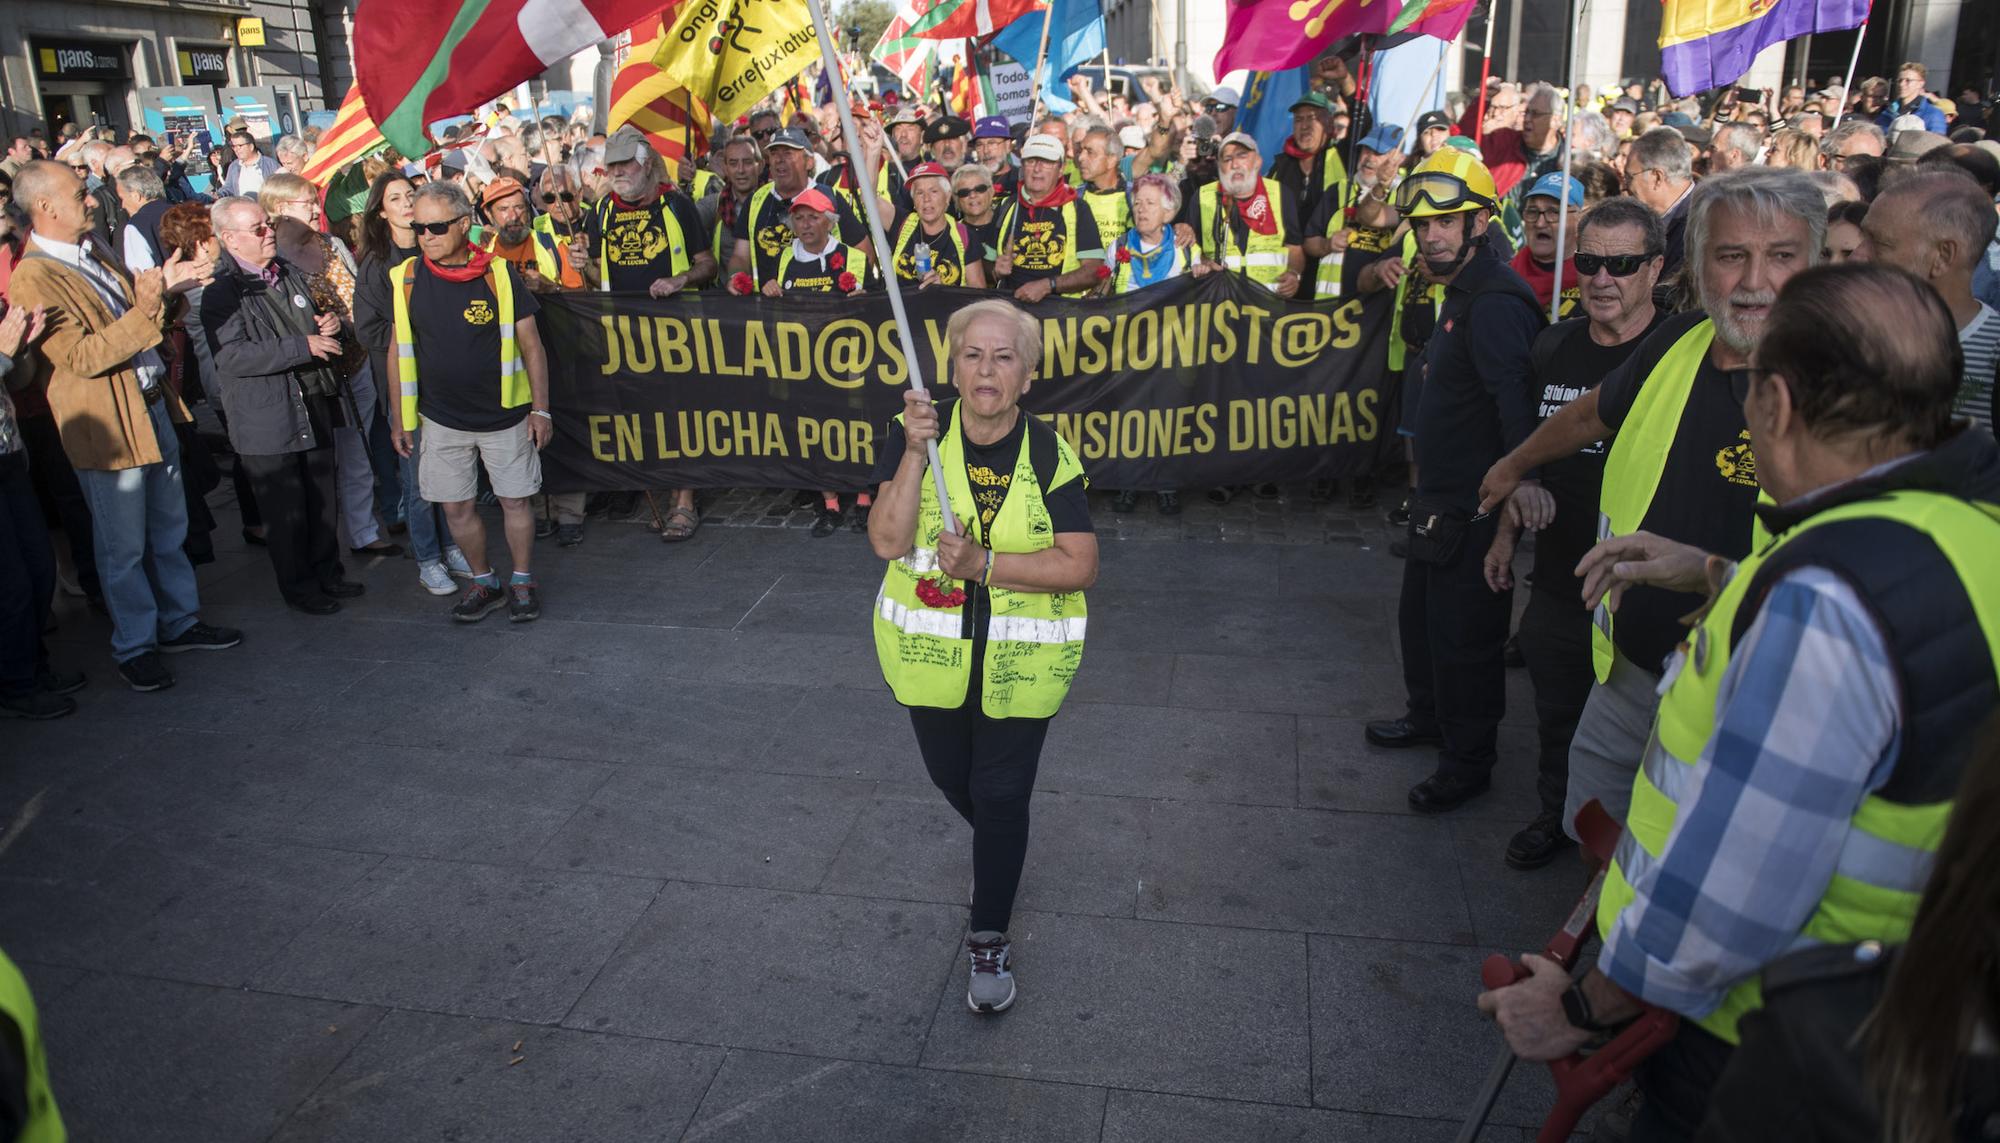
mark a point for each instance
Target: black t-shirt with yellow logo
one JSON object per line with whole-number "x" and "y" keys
{"x": 458, "y": 350}
{"x": 1707, "y": 493}
{"x": 635, "y": 244}
{"x": 948, "y": 251}
{"x": 772, "y": 229}
{"x": 1041, "y": 243}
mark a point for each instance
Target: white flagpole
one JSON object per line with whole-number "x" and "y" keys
{"x": 1041, "y": 61}
{"x": 1569, "y": 131}
{"x": 838, "y": 83}
{"x": 1847, "y": 81}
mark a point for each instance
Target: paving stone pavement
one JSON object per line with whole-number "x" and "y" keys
{"x": 665, "y": 866}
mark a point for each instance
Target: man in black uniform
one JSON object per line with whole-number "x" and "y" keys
{"x": 1620, "y": 247}
{"x": 1478, "y": 402}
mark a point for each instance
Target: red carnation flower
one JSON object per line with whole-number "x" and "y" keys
{"x": 1124, "y": 255}
{"x": 836, "y": 261}
{"x": 933, "y": 596}
{"x": 1104, "y": 271}
{"x": 743, "y": 283}
{"x": 846, "y": 282}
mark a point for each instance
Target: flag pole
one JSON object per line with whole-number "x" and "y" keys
{"x": 1041, "y": 61}
{"x": 1485, "y": 71}
{"x": 1424, "y": 93}
{"x": 1847, "y": 81}
{"x": 1569, "y": 125}
{"x": 838, "y": 82}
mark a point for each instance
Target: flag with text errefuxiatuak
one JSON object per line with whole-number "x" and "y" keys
{"x": 1710, "y": 43}
{"x": 733, "y": 53}
{"x": 417, "y": 61}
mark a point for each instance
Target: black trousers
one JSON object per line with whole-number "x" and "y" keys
{"x": 295, "y": 492}
{"x": 1454, "y": 633}
{"x": 986, "y": 769}
{"x": 27, "y": 577}
{"x": 1677, "y": 1081}
{"x": 61, "y": 496}
{"x": 1555, "y": 639}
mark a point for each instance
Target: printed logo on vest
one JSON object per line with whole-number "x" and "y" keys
{"x": 1736, "y": 463}
{"x": 479, "y": 313}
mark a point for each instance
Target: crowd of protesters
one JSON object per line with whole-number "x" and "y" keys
{"x": 1654, "y": 333}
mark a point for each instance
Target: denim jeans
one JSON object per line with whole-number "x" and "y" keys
{"x": 138, "y": 523}
{"x": 428, "y": 535}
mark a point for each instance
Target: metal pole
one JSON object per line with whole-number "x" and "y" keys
{"x": 1847, "y": 81}
{"x": 1424, "y": 94}
{"x": 838, "y": 83}
{"x": 1514, "y": 42}
{"x": 1569, "y": 122}
{"x": 1041, "y": 61}
{"x": 1180, "y": 49}
{"x": 1485, "y": 71}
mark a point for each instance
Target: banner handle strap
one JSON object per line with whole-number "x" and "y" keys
{"x": 838, "y": 81}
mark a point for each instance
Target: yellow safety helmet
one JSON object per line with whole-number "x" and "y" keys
{"x": 1448, "y": 182}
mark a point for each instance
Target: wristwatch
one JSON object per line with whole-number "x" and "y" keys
{"x": 1576, "y": 1009}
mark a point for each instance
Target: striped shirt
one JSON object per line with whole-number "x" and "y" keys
{"x": 1980, "y": 339}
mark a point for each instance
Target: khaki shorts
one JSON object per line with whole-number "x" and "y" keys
{"x": 448, "y": 463}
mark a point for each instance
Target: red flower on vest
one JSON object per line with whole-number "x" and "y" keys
{"x": 846, "y": 282}
{"x": 932, "y": 596}
{"x": 743, "y": 283}
{"x": 836, "y": 261}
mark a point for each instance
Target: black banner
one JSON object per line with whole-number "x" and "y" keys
{"x": 1192, "y": 384}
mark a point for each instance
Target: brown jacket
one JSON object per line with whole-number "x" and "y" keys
{"x": 93, "y": 388}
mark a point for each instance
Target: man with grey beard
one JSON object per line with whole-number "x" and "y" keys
{"x": 1679, "y": 464}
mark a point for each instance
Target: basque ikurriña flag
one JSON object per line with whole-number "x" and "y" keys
{"x": 1709, "y": 43}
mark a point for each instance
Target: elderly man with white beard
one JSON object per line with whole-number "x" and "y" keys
{"x": 1679, "y": 463}
{"x": 1247, "y": 223}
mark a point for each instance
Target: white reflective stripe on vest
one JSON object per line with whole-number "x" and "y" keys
{"x": 1021, "y": 629}
{"x": 1883, "y": 863}
{"x": 921, "y": 560}
{"x": 921, "y": 620}
{"x": 1327, "y": 283}
{"x": 1238, "y": 261}
{"x": 1669, "y": 775}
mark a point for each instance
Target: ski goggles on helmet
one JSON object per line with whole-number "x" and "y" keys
{"x": 1434, "y": 192}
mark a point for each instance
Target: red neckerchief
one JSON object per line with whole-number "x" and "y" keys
{"x": 475, "y": 267}
{"x": 1061, "y": 195}
{"x": 1297, "y": 152}
{"x": 1256, "y": 211}
{"x": 1541, "y": 279}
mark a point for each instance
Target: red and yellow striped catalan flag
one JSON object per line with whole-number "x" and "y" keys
{"x": 671, "y": 116}
{"x": 352, "y": 137}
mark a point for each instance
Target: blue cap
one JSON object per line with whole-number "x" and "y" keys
{"x": 992, "y": 127}
{"x": 1383, "y": 139}
{"x": 1676, "y": 119}
{"x": 1552, "y": 185}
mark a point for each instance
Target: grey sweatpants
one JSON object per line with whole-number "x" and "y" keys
{"x": 1610, "y": 740}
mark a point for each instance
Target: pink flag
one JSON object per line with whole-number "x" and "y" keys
{"x": 1272, "y": 35}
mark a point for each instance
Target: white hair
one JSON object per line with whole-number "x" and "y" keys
{"x": 222, "y": 208}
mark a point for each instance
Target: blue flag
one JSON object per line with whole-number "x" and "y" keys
{"x": 1266, "y": 112}
{"x": 1076, "y": 36}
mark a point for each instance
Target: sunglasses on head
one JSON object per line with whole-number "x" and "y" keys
{"x": 1617, "y": 265}
{"x": 968, "y": 192}
{"x": 565, "y": 196}
{"x": 440, "y": 229}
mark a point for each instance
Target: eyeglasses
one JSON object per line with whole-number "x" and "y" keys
{"x": 439, "y": 229}
{"x": 1617, "y": 265}
{"x": 1740, "y": 380}
{"x": 968, "y": 192}
{"x": 565, "y": 196}
{"x": 260, "y": 230}
{"x": 1541, "y": 214}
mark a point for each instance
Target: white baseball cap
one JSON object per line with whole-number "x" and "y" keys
{"x": 1042, "y": 147}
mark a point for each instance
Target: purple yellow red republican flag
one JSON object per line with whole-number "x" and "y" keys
{"x": 1710, "y": 43}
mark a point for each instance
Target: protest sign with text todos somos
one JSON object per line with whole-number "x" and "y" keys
{"x": 1191, "y": 384}
{"x": 1013, "y": 89}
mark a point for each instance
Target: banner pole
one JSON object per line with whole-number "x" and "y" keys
{"x": 1424, "y": 94}
{"x": 1847, "y": 81}
{"x": 867, "y": 197}
{"x": 1569, "y": 123}
{"x": 1485, "y": 72}
{"x": 1041, "y": 61}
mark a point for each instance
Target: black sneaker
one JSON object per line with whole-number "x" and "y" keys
{"x": 58, "y": 682}
{"x": 344, "y": 589}
{"x": 1170, "y": 503}
{"x": 37, "y": 705}
{"x": 202, "y": 637}
{"x": 1125, "y": 501}
{"x": 857, "y": 520}
{"x": 1399, "y": 516}
{"x": 545, "y": 527}
{"x": 524, "y": 602}
{"x": 569, "y": 535}
{"x": 827, "y": 524}
{"x": 477, "y": 601}
{"x": 1538, "y": 843}
{"x": 145, "y": 672}
{"x": 1221, "y": 496}
{"x": 1361, "y": 494}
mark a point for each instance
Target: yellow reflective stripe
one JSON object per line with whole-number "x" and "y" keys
{"x": 920, "y": 620}
{"x": 1024, "y": 629}
{"x": 1326, "y": 283}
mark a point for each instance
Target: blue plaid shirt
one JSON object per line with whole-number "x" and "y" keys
{"x": 1807, "y": 724}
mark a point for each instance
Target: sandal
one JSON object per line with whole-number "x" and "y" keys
{"x": 681, "y": 524}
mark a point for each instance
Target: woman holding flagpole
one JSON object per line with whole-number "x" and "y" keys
{"x": 979, "y": 627}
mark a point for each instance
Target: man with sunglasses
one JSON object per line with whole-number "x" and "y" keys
{"x": 560, "y": 205}
{"x": 543, "y": 263}
{"x": 1617, "y": 264}
{"x": 1679, "y": 464}
{"x": 1476, "y": 400}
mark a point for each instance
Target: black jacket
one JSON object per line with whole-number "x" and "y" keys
{"x": 1478, "y": 399}
{"x": 1798, "y": 1076}
{"x": 253, "y": 337}
{"x": 375, "y": 316}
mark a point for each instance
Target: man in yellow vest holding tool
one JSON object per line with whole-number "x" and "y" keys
{"x": 1248, "y": 223}
{"x": 1680, "y": 463}
{"x": 1818, "y": 719}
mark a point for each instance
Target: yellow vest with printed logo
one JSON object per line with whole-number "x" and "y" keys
{"x": 1034, "y": 639}
{"x": 1637, "y": 460}
{"x": 514, "y": 390}
{"x": 44, "y": 1123}
{"x": 676, "y": 248}
{"x": 855, "y": 263}
{"x": 1263, "y": 258}
{"x": 1886, "y": 857}
{"x": 1070, "y": 261}
{"x": 954, "y": 230}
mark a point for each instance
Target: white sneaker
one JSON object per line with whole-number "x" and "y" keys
{"x": 991, "y": 987}
{"x": 435, "y": 579}
{"x": 454, "y": 562}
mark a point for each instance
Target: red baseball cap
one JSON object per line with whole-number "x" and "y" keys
{"x": 927, "y": 171}
{"x": 812, "y": 198}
